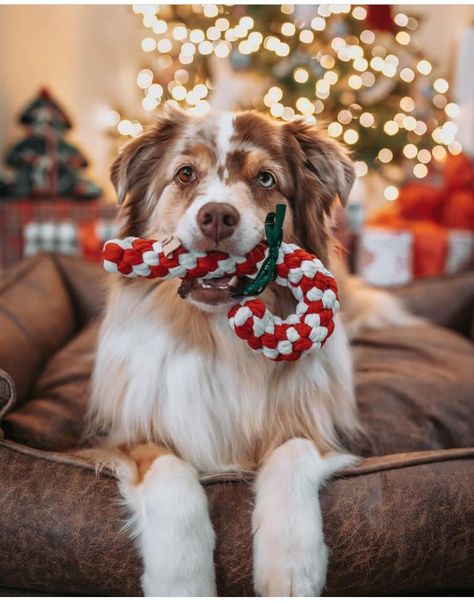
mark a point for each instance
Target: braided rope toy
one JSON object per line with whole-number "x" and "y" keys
{"x": 288, "y": 265}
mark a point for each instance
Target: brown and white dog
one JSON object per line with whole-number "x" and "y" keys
{"x": 178, "y": 395}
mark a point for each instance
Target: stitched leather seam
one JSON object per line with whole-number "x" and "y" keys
{"x": 390, "y": 462}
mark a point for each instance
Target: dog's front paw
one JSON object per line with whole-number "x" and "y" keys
{"x": 290, "y": 560}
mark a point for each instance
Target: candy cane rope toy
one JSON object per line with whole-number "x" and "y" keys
{"x": 288, "y": 265}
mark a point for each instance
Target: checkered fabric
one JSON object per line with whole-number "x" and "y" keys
{"x": 29, "y": 226}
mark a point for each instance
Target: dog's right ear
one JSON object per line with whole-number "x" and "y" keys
{"x": 136, "y": 161}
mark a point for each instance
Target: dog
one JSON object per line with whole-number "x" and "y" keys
{"x": 176, "y": 395}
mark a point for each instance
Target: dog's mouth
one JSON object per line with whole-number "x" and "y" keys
{"x": 210, "y": 291}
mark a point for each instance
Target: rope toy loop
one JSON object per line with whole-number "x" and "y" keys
{"x": 312, "y": 285}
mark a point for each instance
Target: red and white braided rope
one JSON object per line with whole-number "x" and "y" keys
{"x": 310, "y": 282}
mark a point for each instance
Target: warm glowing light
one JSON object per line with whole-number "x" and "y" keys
{"x": 160, "y": 27}
{"x": 424, "y": 156}
{"x": 391, "y": 127}
{"x": 306, "y": 36}
{"x": 403, "y": 38}
{"x": 355, "y": 82}
{"x": 148, "y": 44}
{"x": 318, "y": 23}
{"x": 420, "y": 128}
{"x": 275, "y": 94}
{"x": 407, "y": 104}
{"x": 389, "y": 69}
{"x": 196, "y": 36}
{"x": 367, "y": 36}
{"x": 213, "y": 33}
{"x": 344, "y": 116}
{"x": 385, "y": 155}
{"x": 452, "y": 110}
{"x": 401, "y": 20}
{"x": 318, "y": 106}
{"x": 327, "y": 61}
{"x": 287, "y": 9}
{"x": 351, "y": 136}
{"x": 334, "y": 129}
{"x": 361, "y": 64}
{"x": 180, "y": 33}
{"x": 331, "y": 77}
{"x": 145, "y": 78}
{"x": 149, "y": 103}
{"x": 125, "y": 127}
{"x": 420, "y": 170}
{"x": 164, "y": 45}
{"x": 359, "y": 13}
{"x": 440, "y": 101}
{"x": 205, "y": 47}
{"x": 300, "y": 75}
{"x": 368, "y": 79}
{"x": 407, "y": 74}
{"x": 246, "y": 22}
{"x": 409, "y": 123}
{"x": 361, "y": 169}
{"x": 367, "y": 120}
{"x": 288, "y": 113}
{"x": 377, "y": 63}
{"x": 305, "y": 106}
{"x": 288, "y": 29}
{"x": 283, "y": 50}
{"x": 210, "y": 10}
{"x": 455, "y": 148}
{"x": 424, "y": 67}
{"x": 222, "y": 50}
{"x": 439, "y": 152}
{"x": 111, "y": 118}
{"x": 390, "y": 193}
{"x": 276, "y": 109}
{"x": 222, "y": 24}
{"x": 410, "y": 151}
{"x": 441, "y": 85}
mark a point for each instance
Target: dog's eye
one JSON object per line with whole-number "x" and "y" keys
{"x": 266, "y": 180}
{"x": 186, "y": 174}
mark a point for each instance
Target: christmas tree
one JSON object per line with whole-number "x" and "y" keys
{"x": 354, "y": 69}
{"x": 43, "y": 163}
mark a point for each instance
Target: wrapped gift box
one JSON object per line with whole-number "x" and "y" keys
{"x": 28, "y": 226}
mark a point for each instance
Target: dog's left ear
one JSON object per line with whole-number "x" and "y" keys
{"x": 322, "y": 159}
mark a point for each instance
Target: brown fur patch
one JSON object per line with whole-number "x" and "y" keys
{"x": 144, "y": 456}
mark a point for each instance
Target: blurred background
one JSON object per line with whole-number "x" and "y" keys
{"x": 394, "y": 83}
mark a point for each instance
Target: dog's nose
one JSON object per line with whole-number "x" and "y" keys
{"x": 217, "y": 220}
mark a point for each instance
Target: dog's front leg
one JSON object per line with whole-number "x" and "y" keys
{"x": 171, "y": 522}
{"x": 290, "y": 556}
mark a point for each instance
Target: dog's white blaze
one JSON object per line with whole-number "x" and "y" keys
{"x": 225, "y": 131}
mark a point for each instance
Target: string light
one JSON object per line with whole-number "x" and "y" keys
{"x": 148, "y": 44}
{"x": 407, "y": 104}
{"x": 367, "y": 36}
{"x": 455, "y": 148}
{"x": 390, "y": 193}
{"x": 440, "y": 101}
{"x": 359, "y": 13}
{"x": 439, "y": 152}
{"x": 288, "y": 29}
{"x": 401, "y": 19}
{"x": 424, "y": 67}
{"x": 410, "y": 151}
{"x": 361, "y": 169}
{"x": 301, "y": 75}
{"x": 351, "y": 136}
{"x": 424, "y": 156}
{"x": 367, "y": 120}
{"x": 391, "y": 127}
{"x": 403, "y": 38}
{"x": 385, "y": 155}
{"x": 344, "y": 116}
{"x": 420, "y": 170}
{"x": 441, "y": 85}
{"x": 452, "y": 110}
{"x": 306, "y": 36}
{"x": 355, "y": 82}
{"x": 407, "y": 74}
{"x": 335, "y": 129}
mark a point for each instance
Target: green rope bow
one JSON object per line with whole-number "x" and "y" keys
{"x": 267, "y": 272}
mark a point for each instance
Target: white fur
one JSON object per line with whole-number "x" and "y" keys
{"x": 290, "y": 556}
{"x": 171, "y": 524}
{"x": 225, "y": 130}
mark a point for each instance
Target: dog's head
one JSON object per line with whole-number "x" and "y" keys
{"x": 211, "y": 181}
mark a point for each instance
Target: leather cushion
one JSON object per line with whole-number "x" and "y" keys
{"x": 394, "y": 525}
{"x": 415, "y": 391}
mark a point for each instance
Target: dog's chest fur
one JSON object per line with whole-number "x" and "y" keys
{"x": 164, "y": 373}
